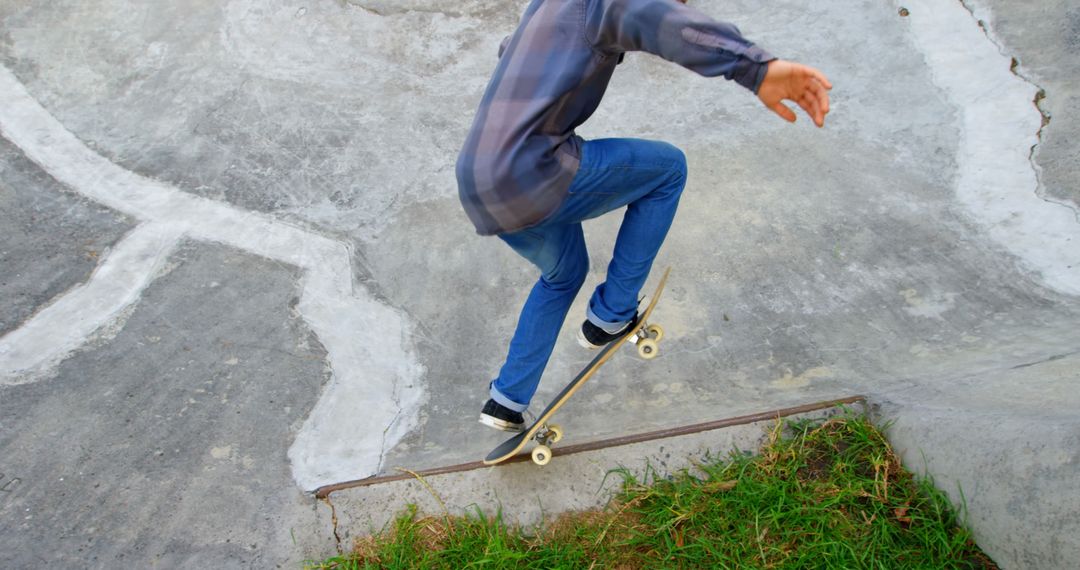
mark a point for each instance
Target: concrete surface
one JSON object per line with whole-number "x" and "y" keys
{"x": 161, "y": 445}
{"x": 1005, "y": 445}
{"x": 922, "y": 249}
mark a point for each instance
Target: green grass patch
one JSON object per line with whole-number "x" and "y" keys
{"x": 829, "y": 494}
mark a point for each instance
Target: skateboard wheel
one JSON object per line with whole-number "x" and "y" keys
{"x": 647, "y": 349}
{"x": 541, "y": 454}
{"x": 555, "y": 433}
{"x": 656, "y": 332}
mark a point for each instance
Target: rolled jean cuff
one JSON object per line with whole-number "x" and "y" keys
{"x": 506, "y": 402}
{"x": 607, "y": 326}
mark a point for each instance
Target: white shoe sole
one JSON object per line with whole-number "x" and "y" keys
{"x": 584, "y": 342}
{"x": 501, "y": 425}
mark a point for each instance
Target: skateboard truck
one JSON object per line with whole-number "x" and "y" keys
{"x": 548, "y": 435}
{"x": 646, "y": 339}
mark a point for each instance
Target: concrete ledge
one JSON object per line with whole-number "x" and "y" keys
{"x": 529, "y": 495}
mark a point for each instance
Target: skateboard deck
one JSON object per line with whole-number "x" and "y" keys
{"x": 644, "y": 335}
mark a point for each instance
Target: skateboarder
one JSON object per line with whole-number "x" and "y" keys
{"x": 524, "y": 175}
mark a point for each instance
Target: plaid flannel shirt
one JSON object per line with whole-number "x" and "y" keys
{"x": 521, "y": 154}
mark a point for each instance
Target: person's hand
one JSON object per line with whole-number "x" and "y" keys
{"x": 804, "y": 85}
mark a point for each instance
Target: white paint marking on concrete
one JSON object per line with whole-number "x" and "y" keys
{"x": 375, "y": 392}
{"x": 997, "y": 184}
{"x": 60, "y": 328}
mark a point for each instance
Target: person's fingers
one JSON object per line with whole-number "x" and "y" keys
{"x": 819, "y": 116}
{"x": 821, "y": 78}
{"x": 821, "y": 94}
{"x": 809, "y": 103}
{"x": 824, "y": 81}
{"x": 782, "y": 110}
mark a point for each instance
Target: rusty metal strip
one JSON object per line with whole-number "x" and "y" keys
{"x": 324, "y": 491}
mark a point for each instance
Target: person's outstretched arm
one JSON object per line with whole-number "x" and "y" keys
{"x": 677, "y": 33}
{"x": 683, "y": 35}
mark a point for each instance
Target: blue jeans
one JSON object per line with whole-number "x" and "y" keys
{"x": 646, "y": 177}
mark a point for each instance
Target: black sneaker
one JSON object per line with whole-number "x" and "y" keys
{"x": 593, "y": 337}
{"x": 502, "y": 418}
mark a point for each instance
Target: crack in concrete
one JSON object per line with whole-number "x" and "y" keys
{"x": 389, "y": 426}
{"x": 997, "y": 184}
{"x": 334, "y": 525}
{"x": 1040, "y": 96}
{"x": 1046, "y": 360}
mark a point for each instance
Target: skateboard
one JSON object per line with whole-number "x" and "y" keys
{"x": 644, "y": 335}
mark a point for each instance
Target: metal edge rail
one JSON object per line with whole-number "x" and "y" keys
{"x": 324, "y": 491}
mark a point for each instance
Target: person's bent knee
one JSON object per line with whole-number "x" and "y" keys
{"x": 677, "y": 178}
{"x": 679, "y": 164}
{"x": 676, "y": 160}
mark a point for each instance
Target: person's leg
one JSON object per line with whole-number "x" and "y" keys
{"x": 648, "y": 178}
{"x": 645, "y": 176}
{"x": 558, "y": 250}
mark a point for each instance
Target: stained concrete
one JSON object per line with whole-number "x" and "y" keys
{"x": 50, "y": 239}
{"x": 906, "y": 251}
{"x": 1044, "y": 39}
{"x": 165, "y": 446}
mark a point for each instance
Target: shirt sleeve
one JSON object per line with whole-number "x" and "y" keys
{"x": 677, "y": 33}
